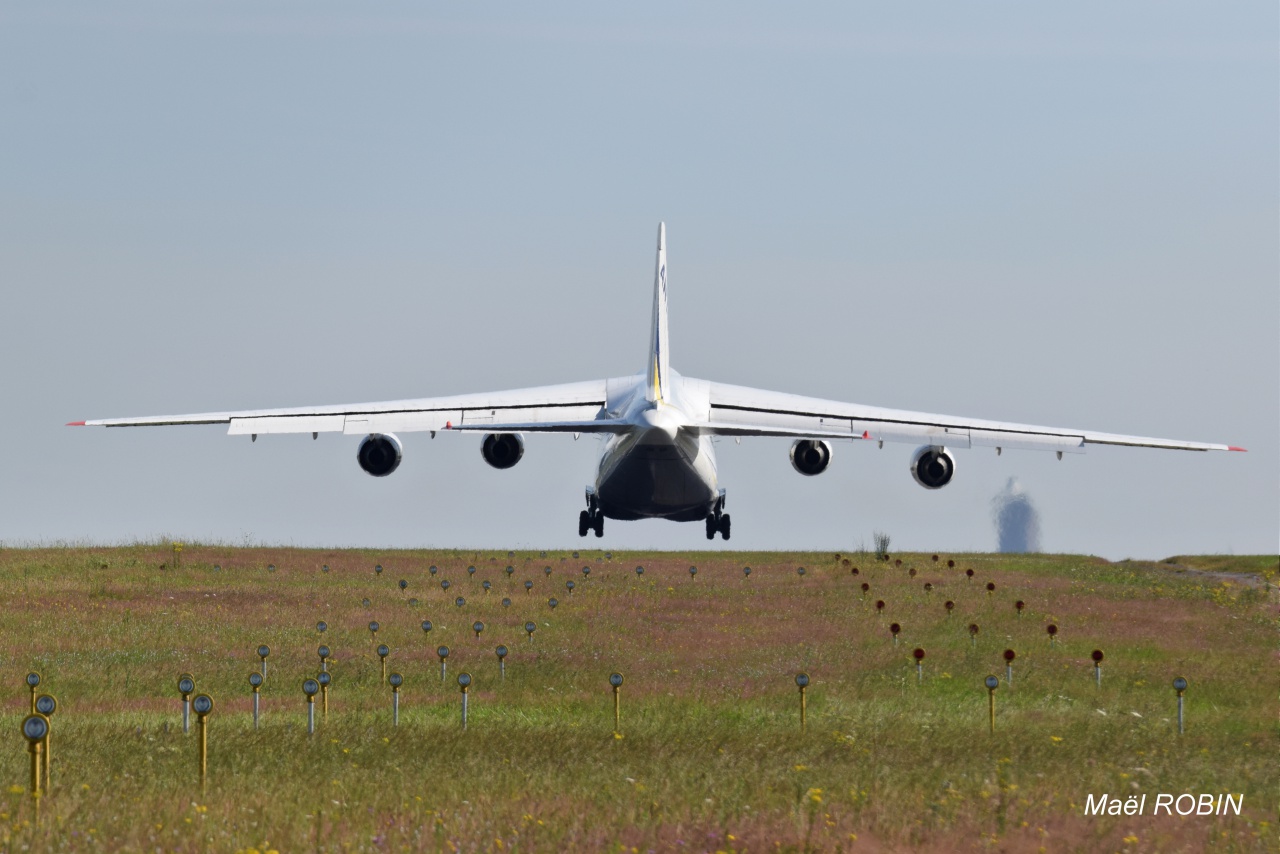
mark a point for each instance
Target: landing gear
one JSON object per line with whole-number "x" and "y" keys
{"x": 591, "y": 519}
{"x": 718, "y": 521}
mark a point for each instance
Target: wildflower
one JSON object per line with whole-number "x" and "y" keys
{"x": 814, "y": 796}
{"x": 1130, "y": 840}
{"x": 1054, "y": 738}
{"x": 800, "y": 768}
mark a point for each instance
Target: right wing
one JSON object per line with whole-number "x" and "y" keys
{"x": 742, "y": 411}
{"x": 571, "y": 407}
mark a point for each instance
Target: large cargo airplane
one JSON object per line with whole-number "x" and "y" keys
{"x": 657, "y": 459}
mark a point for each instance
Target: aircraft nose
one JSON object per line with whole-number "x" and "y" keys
{"x": 661, "y": 420}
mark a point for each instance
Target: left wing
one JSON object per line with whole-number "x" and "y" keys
{"x": 741, "y": 411}
{"x": 572, "y": 407}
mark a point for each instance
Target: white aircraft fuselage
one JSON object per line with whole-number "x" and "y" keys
{"x": 659, "y": 469}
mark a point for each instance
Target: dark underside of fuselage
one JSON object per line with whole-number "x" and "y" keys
{"x": 654, "y": 481}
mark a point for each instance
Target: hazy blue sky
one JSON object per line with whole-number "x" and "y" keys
{"x": 1063, "y": 214}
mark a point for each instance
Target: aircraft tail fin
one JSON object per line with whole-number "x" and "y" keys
{"x": 657, "y": 382}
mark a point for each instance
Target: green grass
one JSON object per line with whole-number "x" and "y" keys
{"x": 711, "y": 754}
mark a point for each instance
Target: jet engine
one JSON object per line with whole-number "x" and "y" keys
{"x": 810, "y": 456}
{"x": 932, "y": 466}
{"x": 502, "y": 450}
{"x": 379, "y": 454}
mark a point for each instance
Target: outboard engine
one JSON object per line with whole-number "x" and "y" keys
{"x": 810, "y": 456}
{"x": 502, "y": 450}
{"x": 932, "y": 466}
{"x": 379, "y": 454}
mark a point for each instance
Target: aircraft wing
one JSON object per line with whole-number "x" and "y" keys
{"x": 741, "y": 411}
{"x": 572, "y": 407}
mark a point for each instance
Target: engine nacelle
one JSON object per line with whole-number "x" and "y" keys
{"x": 379, "y": 454}
{"x": 502, "y": 450}
{"x": 810, "y": 456}
{"x": 933, "y": 466}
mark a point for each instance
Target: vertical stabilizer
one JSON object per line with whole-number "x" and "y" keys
{"x": 657, "y": 383}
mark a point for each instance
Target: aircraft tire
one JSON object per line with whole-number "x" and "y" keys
{"x": 724, "y": 526}
{"x": 584, "y": 522}
{"x": 711, "y": 527}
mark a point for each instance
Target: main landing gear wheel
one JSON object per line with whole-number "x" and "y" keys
{"x": 718, "y": 523}
{"x": 588, "y": 521}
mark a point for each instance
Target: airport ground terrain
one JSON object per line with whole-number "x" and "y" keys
{"x": 710, "y": 755}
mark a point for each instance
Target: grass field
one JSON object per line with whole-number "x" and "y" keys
{"x": 710, "y": 757}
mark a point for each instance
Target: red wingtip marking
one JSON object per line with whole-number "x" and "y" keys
{"x": 1234, "y": 448}
{"x": 866, "y": 434}
{"x": 75, "y": 423}
{"x": 448, "y": 425}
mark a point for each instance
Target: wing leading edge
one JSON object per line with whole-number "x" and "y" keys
{"x": 742, "y": 411}
{"x": 557, "y": 408}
